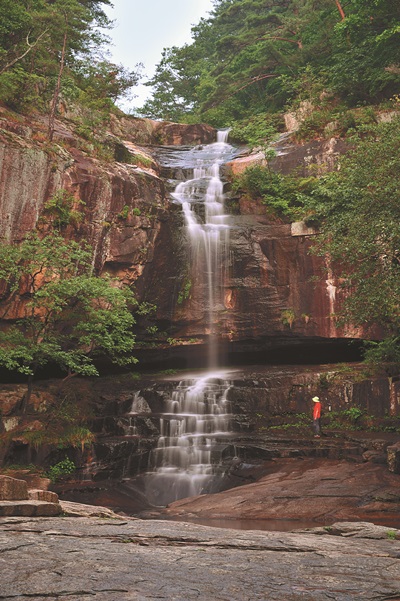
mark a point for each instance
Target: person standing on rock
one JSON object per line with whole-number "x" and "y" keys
{"x": 317, "y": 417}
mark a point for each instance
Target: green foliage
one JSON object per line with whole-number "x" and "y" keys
{"x": 254, "y": 56}
{"x": 68, "y": 315}
{"x": 41, "y": 41}
{"x": 142, "y": 161}
{"x": 283, "y": 196}
{"x": 385, "y": 353}
{"x": 331, "y": 119}
{"x": 391, "y": 534}
{"x": 257, "y": 130}
{"x": 124, "y": 214}
{"x": 367, "y": 51}
{"x": 288, "y": 317}
{"x": 358, "y": 211}
{"x": 63, "y": 209}
{"x": 65, "y": 467}
{"x": 184, "y": 292}
{"x": 354, "y": 413}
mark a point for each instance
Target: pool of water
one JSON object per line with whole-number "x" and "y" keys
{"x": 276, "y": 525}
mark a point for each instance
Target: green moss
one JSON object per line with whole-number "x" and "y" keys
{"x": 184, "y": 293}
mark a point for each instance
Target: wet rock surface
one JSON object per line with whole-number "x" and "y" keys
{"x": 110, "y": 560}
{"x": 310, "y": 489}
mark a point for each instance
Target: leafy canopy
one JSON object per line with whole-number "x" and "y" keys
{"x": 33, "y": 35}
{"x": 66, "y": 315}
{"x": 248, "y": 57}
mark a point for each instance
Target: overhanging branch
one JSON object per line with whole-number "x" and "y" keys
{"x": 21, "y": 56}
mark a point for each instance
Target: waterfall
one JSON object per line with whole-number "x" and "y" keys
{"x": 197, "y": 416}
{"x": 202, "y": 201}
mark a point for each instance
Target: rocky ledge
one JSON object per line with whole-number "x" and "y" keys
{"x": 126, "y": 560}
{"x": 318, "y": 490}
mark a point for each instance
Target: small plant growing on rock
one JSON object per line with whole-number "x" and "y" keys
{"x": 124, "y": 214}
{"x": 184, "y": 293}
{"x": 60, "y": 469}
{"x": 391, "y": 534}
{"x": 288, "y": 317}
{"x": 354, "y": 413}
{"x": 62, "y": 209}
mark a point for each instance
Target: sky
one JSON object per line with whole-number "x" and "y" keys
{"x": 143, "y": 28}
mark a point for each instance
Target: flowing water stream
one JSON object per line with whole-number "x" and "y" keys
{"x": 197, "y": 415}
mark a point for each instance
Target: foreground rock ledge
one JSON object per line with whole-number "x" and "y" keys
{"x": 121, "y": 560}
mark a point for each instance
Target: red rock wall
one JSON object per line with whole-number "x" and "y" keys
{"x": 274, "y": 288}
{"x": 271, "y": 272}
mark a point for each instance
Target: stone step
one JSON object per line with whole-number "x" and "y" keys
{"x": 29, "y": 508}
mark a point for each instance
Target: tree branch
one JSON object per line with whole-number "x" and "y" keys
{"x": 254, "y": 79}
{"x": 340, "y": 9}
{"x": 30, "y": 47}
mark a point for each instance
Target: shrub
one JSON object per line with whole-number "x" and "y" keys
{"x": 283, "y": 196}
{"x": 60, "y": 469}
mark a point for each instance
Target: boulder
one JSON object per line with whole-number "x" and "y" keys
{"x": 82, "y": 510}
{"x": 178, "y": 134}
{"x": 29, "y": 508}
{"x": 358, "y": 530}
{"x": 43, "y": 495}
{"x": 12, "y": 489}
{"x": 374, "y": 456}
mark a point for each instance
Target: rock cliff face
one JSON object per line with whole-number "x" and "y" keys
{"x": 272, "y": 297}
{"x": 123, "y": 413}
{"x": 275, "y": 289}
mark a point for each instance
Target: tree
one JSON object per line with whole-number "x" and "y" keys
{"x": 51, "y": 47}
{"x": 244, "y": 54}
{"x": 359, "y": 211}
{"x": 70, "y": 22}
{"x": 365, "y": 62}
{"x": 65, "y": 315}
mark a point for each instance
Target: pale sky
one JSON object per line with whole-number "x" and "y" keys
{"x": 143, "y": 28}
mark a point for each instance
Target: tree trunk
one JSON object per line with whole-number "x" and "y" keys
{"x": 340, "y": 9}
{"x": 57, "y": 90}
{"x": 26, "y": 398}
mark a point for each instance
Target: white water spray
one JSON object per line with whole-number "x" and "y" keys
{"x": 202, "y": 201}
{"x": 197, "y": 416}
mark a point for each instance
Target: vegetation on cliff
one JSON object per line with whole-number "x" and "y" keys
{"x": 64, "y": 314}
{"x": 53, "y": 51}
{"x": 336, "y": 66}
{"x": 358, "y": 212}
{"x": 256, "y": 56}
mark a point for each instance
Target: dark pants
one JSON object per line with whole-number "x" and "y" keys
{"x": 317, "y": 425}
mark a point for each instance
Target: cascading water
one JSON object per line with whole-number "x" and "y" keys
{"x": 197, "y": 415}
{"x": 202, "y": 201}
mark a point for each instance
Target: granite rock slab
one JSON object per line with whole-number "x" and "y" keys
{"x": 137, "y": 560}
